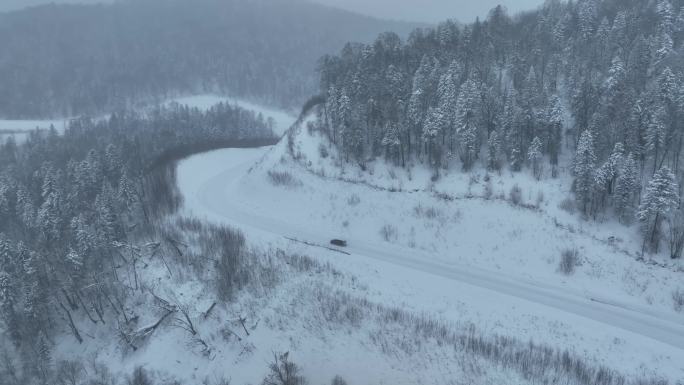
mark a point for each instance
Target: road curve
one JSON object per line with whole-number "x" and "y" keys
{"x": 210, "y": 189}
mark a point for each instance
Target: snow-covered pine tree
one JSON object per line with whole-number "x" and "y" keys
{"x": 588, "y": 11}
{"x": 392, "y": 143}
{"x": 626, "y": 189}
{"x": 656, "y": 135}
{"x": 432, "y": 132}
{"x": 467, "y": 123}
{"x": 534, "y": 156}
{"x": 606, "y": 175}
{"x": 585, "y": 163}
{"x": 494, "y": 151}
{"x": 660, "y": 198}
{"x": 554, "y": 118}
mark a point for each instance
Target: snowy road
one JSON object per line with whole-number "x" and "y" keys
{"x": 208, "y": 183}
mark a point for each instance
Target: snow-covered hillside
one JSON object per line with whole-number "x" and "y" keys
{"x": 452, "y": 250}
{"x": 446, "y": 281}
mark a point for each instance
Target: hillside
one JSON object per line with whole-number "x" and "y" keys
{"x": 587, "y": 94}
{"x": 480, "y": 204}
{"x": 444, "y": 250}
{"x": 66, "y": 60}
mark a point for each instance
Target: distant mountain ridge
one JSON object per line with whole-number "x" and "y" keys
{"x": 61, "y": 60}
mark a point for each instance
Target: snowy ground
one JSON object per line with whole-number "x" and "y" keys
{"x": 462, "y": 261}
{"x": 469, "y": 260}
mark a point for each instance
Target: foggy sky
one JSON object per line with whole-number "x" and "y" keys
{"x": 429, "y": 11}
{"x": 11, "y": 5}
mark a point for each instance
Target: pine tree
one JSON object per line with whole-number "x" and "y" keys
{"x": 8, "y": 288}
{"x": 660, "y": 198}
{"x": 585, "y": 161}
{"x": 25, "y": 209}
{"x": 352, "y": 138}
{"x": 554, "y": 118}
{"x": 588, "y": 12}
{"x": 467, "y": 124}
{"x": 626, "y": 189}
{"x": 331, "y": 110}
{"x": 432, "y": 131}
{"x": 392, "y": 142}
{"x": 666, "y": 17}
{"x": 513, "y": 128}
{"x": 494, "y": 152}
{"x": 415, "y": 112}
{"x": 83, "y": 236}
{"x": 534, "y": 156}
{"x": 656, "y": 135}
{"x": 50, "y": 216}
{"x": 8, "y": 301}
{"x": 448, "y": 101}
{"x": 618, "y": 33}
{"x": 43, "y": 349}
{"x": 107, "y": 224}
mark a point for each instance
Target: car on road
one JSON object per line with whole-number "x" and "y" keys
{"x": 338, "y": 242}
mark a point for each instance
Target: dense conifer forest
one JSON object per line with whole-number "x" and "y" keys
{"x": 74, "y": 208}
{"x": 589, "y": 88}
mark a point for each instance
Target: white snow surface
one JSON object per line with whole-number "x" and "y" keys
{"x": 468, "y": 260}
{"x": 464, "y": 261}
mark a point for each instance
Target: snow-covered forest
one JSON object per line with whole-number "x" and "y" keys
{"x": 592, "y": 88}
{"x": 277, "y": 192}
{"x": 72, "y": 206}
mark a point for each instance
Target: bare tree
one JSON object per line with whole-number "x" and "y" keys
{"x": 283, "y": 371}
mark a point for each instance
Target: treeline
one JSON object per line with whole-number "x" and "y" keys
{"x": 600, "y": 80}
{"x": 67, "y": 60}
{"x": 72, "y": 207}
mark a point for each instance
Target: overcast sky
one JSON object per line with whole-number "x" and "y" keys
{"x": 429, "y": 11}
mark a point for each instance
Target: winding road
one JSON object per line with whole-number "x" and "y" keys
{"x": 207, "y": 189}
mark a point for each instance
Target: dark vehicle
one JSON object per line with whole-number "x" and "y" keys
{"x": 338, "y": 242}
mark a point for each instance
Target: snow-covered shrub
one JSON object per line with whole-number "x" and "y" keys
{"x": 568, "y": 205}
{"x": 488, "y": 189}
{"x": 70, "y": 372}
{"x": 515, "y": 195}
{"x": 282, "y": 371}
{"x": 423, "y": 212}
{"x": 323, "y": 151}
{"x": 139, "y": 377}
{"x": 568, "y": 261}
{"x": 338, "y": 380}
{"x": 540, "y": 198}
{"x": 283, "y": 178}
{"x": 389, "y": 233}
{"x": 354, "y": 200}
{"x": 227, "y": 247}
{"x": 220, "y": 381}
{"x": 190, "y": 224}
{"x": 678, "y": 299}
